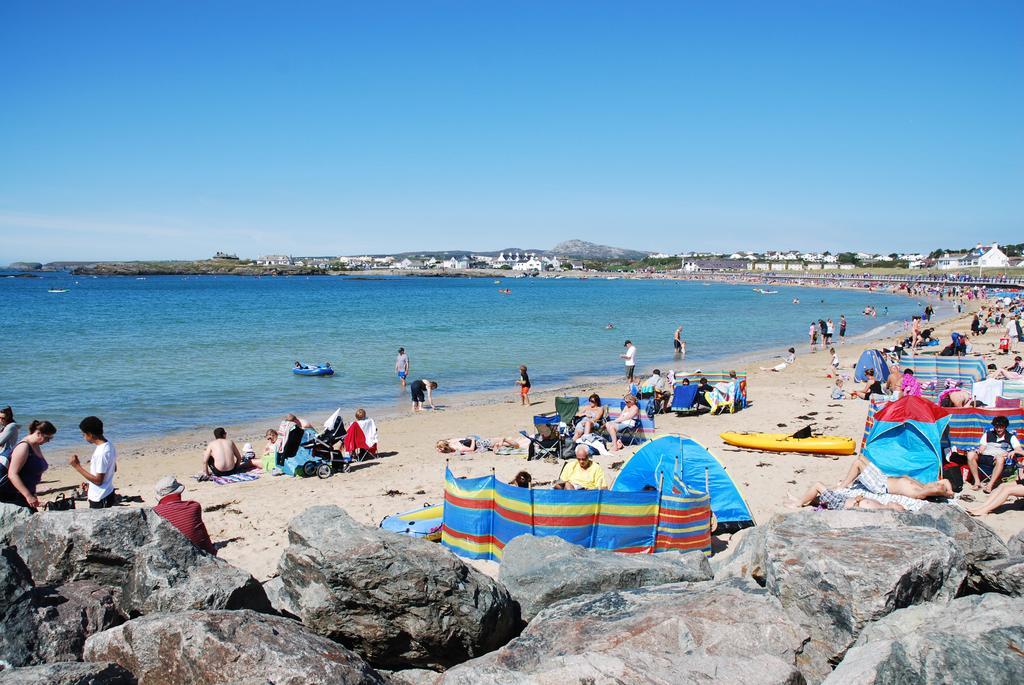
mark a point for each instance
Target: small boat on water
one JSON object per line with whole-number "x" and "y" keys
{"x": 318, "y": 370}
{"x": 57, "y": 290}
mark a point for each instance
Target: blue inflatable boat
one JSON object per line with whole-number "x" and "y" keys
{"x": 320, "y": 370}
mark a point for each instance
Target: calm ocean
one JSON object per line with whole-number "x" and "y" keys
{"x": 167, "y": 353}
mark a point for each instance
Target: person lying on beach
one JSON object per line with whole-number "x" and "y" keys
{"x": 997, "y": 448}
{"x": 185, "y": 515}
{"x": 819, "y": 495}
{"x": 474, "y": 443}
{"x": 954, "y": 395}
{"x": 627, "y": 418}
{"x": 589, "y": 416}
{"x": 582, "y": 474}
{"x": 871, "y": 478}
{"x": 523, "y": 479}
{"x": 871, "y": 386}
{"x": 221, "y": 457}
{"x": 999, "y": 497}
{"x": 787, "y": 362}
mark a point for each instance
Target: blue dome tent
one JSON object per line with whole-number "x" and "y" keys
{"x": 871, "y": 359}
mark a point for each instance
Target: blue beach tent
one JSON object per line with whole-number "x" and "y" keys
{"x": 907, "y": 439}
{"x": 655, "y": 463}
{"x": 871, "y": 359}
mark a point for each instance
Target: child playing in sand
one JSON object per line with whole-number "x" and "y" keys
{"x": 788, "y": 361}
{"x": 269, "y": 460}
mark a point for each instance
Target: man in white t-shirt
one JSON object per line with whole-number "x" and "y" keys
{"x": 630, "y": 357}
{"x": 102, "y": 466}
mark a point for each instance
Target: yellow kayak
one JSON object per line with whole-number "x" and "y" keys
{"x": 781, "y": 442}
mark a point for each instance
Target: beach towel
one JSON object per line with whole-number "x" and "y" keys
{"x": 237, "y": 477}
{"x": 369, "y": 428}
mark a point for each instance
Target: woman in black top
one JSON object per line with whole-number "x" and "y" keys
{"x": 871, "y": 386}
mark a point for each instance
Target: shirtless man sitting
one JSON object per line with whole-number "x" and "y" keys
{"x": 221, "y": 457}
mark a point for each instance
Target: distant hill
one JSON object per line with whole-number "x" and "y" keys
{"x": 583, "y": 250}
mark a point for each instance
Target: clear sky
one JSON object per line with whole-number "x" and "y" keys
{"x": 175, "y": 129}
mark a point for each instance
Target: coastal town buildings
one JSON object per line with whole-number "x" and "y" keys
{"x": 980, "y": 257}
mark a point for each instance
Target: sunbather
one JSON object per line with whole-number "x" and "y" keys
{"x": 999, "y": 497}
{"x": 474, "y": 443}
{"x": 582, "y": 474}
{"x": 871, "y": 478}
{"x": 589, "y": 416}
{"x": 834, "y": 498}
{"x": 221, "y": 457}
{"x": 626, "y": 419}
{"x": 787, "y": 362}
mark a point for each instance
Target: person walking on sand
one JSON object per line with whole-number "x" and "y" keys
{"x": 830, "y": 329}
{"x": 102, "y": 465}
{"x": 402, "y": 365}
{"x": 524, "y": 385}
{"x": 421, "y": 393}
{"x": 677, "y": 341}
{"x": 630, "y": 359}
{"x": 812, "y": 334}
{"x": 842, "y": 328}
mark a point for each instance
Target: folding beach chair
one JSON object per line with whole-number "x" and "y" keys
{"x": 547, "y": 442}
{"x": 567, "y": 408}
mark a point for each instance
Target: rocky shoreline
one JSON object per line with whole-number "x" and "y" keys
{"x": 119, "y": 596}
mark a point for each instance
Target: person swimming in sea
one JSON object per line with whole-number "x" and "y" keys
{"x": 609, "y": 327}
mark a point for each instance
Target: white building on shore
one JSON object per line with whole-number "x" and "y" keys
{"x": 980, "y": 257}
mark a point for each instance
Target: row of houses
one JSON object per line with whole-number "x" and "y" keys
{"x": 523, "y": 262}
{"x": 703, "y": 265}
{"x": 982, "y": 256}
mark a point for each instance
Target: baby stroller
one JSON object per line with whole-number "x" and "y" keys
{"x": 325, "y": 459}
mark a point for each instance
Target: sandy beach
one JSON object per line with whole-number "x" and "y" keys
{"x": 250, "y": 519}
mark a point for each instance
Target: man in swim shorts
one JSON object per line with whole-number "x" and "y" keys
{"x": 221, "y": 457}
{"x": 402, "y": 365}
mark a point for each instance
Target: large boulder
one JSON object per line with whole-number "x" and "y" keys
{"x": 17, "y": 613}
{"x": 720, "y": 631}
{"x": 744, "y": 558}
{"x": 68, "y": 614}
{"x": 398, "y": 601}
{"x": 156, "y": 567}
{"x": 207, "y": 647}
{"x": 1015, "y": 545}
{"x": 10, "y": 516}
{"x": 977, "y": 541}
{"x": 835, "y": 577}
{"x": 278, "y": 600}
{"x": 1004, "y": 576}
{"x": 540, "y": 571}
{"x": 975, "y": 639}
{"x": 68, "y": 673}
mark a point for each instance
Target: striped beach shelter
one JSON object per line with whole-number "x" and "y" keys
{"x": 928, "y": 368}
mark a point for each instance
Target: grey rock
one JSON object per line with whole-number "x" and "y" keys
{"x": 279, "y": 602}
{"x": 68, "y": 614}
{"x": 415, "y": 676}
{"x": 17, "y": 613}
{"x": 207, "y": 647}
{"x": 540, "y": 571}
{"x": 744, "y": 558}
{"x": 975, "y": 639}
{"x": 68, "y": 673}
{"x": 729, "y": 631}
{"x": 156, "y": 567}
{"x": 836, "y": 575}
{"x": 1015, "y": 545}
{"x": 1004, "y": 576}
{"x": 10, "y": 516}
{"x": 976, "y": 540}
{"x": 400, "y": 602}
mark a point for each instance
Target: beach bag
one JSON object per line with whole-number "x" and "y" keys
{"x": 62, "y": 503}
{"x": 953, "y": 472}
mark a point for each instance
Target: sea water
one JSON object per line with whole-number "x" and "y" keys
{"x": 165, "y": 353}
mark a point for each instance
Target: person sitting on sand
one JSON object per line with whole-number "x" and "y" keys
{"x": 626, "y": 419}
{"x": 523, "y": 479}
{"x": 185, "y": 515}
{"x": 582, "y": 474}
{"x": 1011, "y": 373}
{"x": 871, "y": 478}
{"x": 221, "y": 457}
{"x": 786, "y": 363}
{"x": 589, "y": 417}
{"x": 474, "y": 443}
{"x": 999, "y": 497}
{"x": 997, "y": 448}
{"x": 820, "y": 495}
{"x": 871, "y": 386}
{"x": 269, "y": 461}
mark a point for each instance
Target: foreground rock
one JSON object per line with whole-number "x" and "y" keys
{"x": 207, "y": 647}
{"x": 68, "y": 673}
{"x": 154, "y": 565}
{"x": 10, "y": 516}
{"x": 540, "y": 571}
{"x": 1004, "y": 576}
{"x": 745, "y": 558}
{"x": 68, "y": 614}
{"x": 731, "y": 632}
{"x": 398, "y": 601}
{"x": 976, "y": 540}
{"x": 836, "y": 578}
{"x": 974, "y": 639}
{"x": 1015, "y": 545}
{"x": 17, "y": 613}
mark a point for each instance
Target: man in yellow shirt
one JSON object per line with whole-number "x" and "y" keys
{"x": 582, "y": 474}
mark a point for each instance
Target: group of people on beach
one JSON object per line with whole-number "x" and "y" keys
{"x": 822, "y": 331}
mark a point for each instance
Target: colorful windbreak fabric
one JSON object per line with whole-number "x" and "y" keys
{"x": 481, "y": 515}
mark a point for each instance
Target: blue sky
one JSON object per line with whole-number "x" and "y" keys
{"x": 174, "y": 129}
